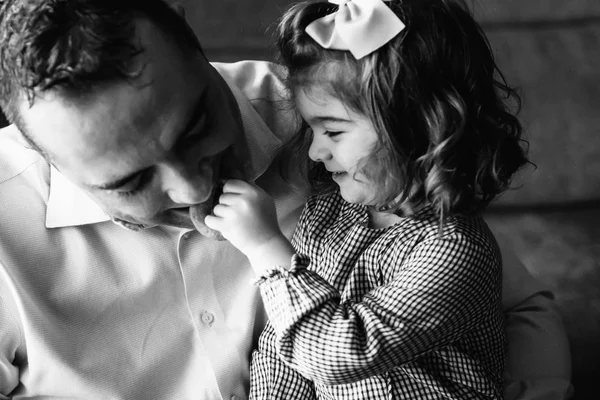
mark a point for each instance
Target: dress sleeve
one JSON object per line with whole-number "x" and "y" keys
{"x": 271, "y": 378}
{"x": 441, "y": 290}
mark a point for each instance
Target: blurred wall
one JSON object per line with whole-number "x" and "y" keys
{"x": 548, "y": 48}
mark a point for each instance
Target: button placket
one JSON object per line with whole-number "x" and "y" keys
{"x": 206, "y": 317}
{"x": 186, "y": 236}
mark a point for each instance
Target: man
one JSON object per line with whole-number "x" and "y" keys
{"x": 121, "y": 122}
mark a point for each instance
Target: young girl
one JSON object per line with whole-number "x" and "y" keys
{"x": 390, "y": 288}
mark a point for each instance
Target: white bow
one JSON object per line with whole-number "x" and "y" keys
{"x": 359, "y": 26}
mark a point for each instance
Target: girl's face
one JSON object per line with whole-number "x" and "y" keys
{"x": 342, "y": 140}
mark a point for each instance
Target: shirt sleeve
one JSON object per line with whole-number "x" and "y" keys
{"x": 444, "y": 288}
{"x": 10, "y": 339}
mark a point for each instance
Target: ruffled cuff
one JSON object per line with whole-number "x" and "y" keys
{"x": 297, "y": 263}
{"x": 289, "y": 295}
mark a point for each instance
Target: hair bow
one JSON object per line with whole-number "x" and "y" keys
{"x": 360, "y": 26}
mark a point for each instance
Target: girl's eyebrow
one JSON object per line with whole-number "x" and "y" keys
{"x": 327, "y": 118}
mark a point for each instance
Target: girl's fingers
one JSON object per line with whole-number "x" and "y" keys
{"x": 212, "y": 222}
{"x": 236, "y": 186}
{"x": 228, "y": 198}
{"x": 219, "y": 210}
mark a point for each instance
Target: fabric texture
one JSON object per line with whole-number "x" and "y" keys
{"x": 90, "y": 310}
{"x": 393, "y": 313}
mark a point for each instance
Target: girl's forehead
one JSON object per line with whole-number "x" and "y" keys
{"x": 317, "y": 97}
{"x": 317, "y": 105}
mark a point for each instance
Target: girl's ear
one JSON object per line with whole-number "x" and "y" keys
{"x": 179, "y": 9}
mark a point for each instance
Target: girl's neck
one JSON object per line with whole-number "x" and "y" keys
{"x": 382, "y": 219}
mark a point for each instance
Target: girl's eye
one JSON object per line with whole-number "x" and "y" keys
{"x": 332, "y": 134}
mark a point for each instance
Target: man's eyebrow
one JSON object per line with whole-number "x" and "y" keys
{"x": 197, "y": 114}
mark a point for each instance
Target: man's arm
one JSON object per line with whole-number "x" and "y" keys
{"x": 539, "y": 359}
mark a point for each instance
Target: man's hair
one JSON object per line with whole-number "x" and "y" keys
{"x": 74, "y": 46}
{"x": 435, "y": 96}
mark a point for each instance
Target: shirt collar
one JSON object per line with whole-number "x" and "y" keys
{"x": 68, "y": 205}
{"x": 262, "y": 143}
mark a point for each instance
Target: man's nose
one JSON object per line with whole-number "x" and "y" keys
{"x": 319, "y": 149}
{"x": 186, "y": 185}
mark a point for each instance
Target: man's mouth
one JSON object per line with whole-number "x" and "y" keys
{"x": 182, "y": 216}
{"x": 197, "y": 213}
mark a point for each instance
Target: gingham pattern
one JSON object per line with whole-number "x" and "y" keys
{"x": 393, "y": 313}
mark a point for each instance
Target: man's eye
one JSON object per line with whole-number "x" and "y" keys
{"x": 135, "y": 185}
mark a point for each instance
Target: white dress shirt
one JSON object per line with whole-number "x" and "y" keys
{"x": 89, "y": 310}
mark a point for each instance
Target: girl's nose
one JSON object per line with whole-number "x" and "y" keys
{"x": 319, "y": 150}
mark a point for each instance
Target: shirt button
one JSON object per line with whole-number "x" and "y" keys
{"x": 207, "y": 317}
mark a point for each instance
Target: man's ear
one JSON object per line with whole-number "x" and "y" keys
{"x": 179, "y": 9}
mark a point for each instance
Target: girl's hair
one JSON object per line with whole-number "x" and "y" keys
{"x": 435, "y": 96}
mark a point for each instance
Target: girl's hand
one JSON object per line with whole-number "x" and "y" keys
{"x": 246, "y": 216}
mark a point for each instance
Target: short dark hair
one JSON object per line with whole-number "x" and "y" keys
{"x": 73, "y": 46}
{"x": 438, "y": 101}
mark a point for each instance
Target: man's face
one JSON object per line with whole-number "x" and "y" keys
{"x": 147, "y": 150}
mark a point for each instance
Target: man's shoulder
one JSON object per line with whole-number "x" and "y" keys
{"x": 261, "y": 83}
{"x": 258, "y": 80}
{"x": 15, "y": 157}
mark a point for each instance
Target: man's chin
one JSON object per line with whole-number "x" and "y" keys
{"x": 177, "y": 217}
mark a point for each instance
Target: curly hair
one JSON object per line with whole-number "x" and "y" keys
{"x": 439, "y": 103}
{"x": 73, "y": 46}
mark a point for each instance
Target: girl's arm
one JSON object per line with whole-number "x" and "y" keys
{"x": 444, "y": 288}
{"x": 439, "y": 291}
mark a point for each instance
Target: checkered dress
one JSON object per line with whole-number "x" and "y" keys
{"x": 393, "y": 313}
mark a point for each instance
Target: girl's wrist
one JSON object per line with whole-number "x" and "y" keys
{"x": 277, "y": 251}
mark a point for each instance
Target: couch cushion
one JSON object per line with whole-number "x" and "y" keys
{"x": 562, "y": 248}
